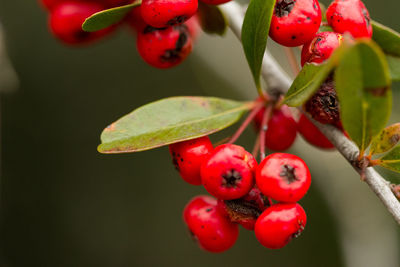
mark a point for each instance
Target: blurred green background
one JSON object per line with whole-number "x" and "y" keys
{"x": 64, "y": 204}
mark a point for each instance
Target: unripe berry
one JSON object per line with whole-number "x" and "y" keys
{"x": 215, "y": 2}
{"x": 320, "y": 48}
{"x": 214, "y": 232}
{"x": 295, "y": 22}
{"x": 164, "y": 48}
{"x": 283, "y": 177}
{"x": 279, "y": 224}
{"x": 312, "y": 134}
{"x": 163, "y": 13}
{"x": 66, "y": 22}
{"x": 349, "y": 16}
{"x": 188, "y": 156}
{"x": 323, "y": 106}
{"x": 229, "y": 172}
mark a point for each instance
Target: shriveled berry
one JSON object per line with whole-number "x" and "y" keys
{"x": 213, "y": 232}
{"x": 188, "y": 156}
{"x": 283, "y": 177}
{"x": 66, "y": 22}
{"x": 279, "y": 224}
{"x": 323, "y": 106}
{"x": 246, "y": 210}
{"x": 320, "y": 48}
{"x": 229, "y": 172}
{"x": 164, "y": 48}
{"x": 312, "y": 134}
{"x": 295, "y": 22}
{"x": 349, "y": 16}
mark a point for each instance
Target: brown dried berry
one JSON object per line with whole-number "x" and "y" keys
{"x": 323, "y": 106}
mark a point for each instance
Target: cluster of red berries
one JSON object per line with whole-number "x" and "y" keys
{"x": 297, "y": 22}
{"x": 244, "y": 193}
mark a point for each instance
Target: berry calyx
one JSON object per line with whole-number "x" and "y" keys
{"x": 163, "y": 13}
{"x": 228, "y": 173}
{"x": 323, "y": 106}
{"x": 349, "y": 16}
{"x": 188, "y": 156}
{"x": 312, "y": 134}
{"x": 279, "y": 224}
{"x": 66, "y": 22}
{"x": 295, "y": 22}
{"x": 213, "y": 232}
{"x": 320, "y": 48}
{"x": 164, "y": 48}
{"x": 283, "y": 177}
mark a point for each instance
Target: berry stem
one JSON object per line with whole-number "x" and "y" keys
{"x": 256, "y": 147}
{"x": 246, "y": 122}
{"x": 294, "y": 65}
{"x": 263, "y": 129}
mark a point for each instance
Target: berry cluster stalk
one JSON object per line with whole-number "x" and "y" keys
{"x": 278, "y": 81}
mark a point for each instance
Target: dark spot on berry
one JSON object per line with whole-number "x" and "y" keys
{"x": 174, "y": 55}
{"x": 202, "y": 227}
{"x": 150, "y": 29}
{"x": 283, "y": 7}
{"x": 231, "y": 178}
{"x": 308, "y": 18}
{"x": 288, "y": 172}
{"x": 177, "y": 20}
{"x": 209, "y": 209}
{"x": 293, "y": 37}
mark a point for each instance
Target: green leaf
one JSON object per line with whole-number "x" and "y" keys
{"x": 212, "y": 19}
{"x": 310, "y": 78}
{"x": 363, "y": 87}
{"x": 255, "y": 32}
{"x": 108, "y": 17}
{"x": 386, "y": 140}
{"x": 169, "y": 121}
{"x": 386, "y": 38}
{"x": 391, "y": 160}
{"x": 394, "y": 67}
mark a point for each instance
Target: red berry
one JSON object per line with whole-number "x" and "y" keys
{"x": 66, "y": 22}
{"x": 229, "y": 172}
{"x": 320, "y": 48}
{"x": 163, "y": 13}
{"x": 283, "y": 177}
{"x": 295, "y": 22}
{"x": 214, "y": 232}
{"x": 164, "y": 48}
{"x": 278, "y": 224}
{"x": 350, "y": 16}
{"x": 281, "y": 131}
{"x": 215, "y": 2}
{"x": 246, "y": 210}
{"x": 312, "y": 134}
{"x": 188, "y": 156}
{"x": 50, "y": 4}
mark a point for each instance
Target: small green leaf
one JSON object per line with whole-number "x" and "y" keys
{"x": 169, "y": 121}
{"x": 212, "y": 19}
{"x": 255, "y": 32}
{"x": 386, "y": 38}
{"x": 386, "y": 140}
{"x": 391, "y": 160}
{"x": 108, "y": 17}
{"x": 310, "y": 78}
{"x": 363, "y": 86}
{"x": 394, "y": 67}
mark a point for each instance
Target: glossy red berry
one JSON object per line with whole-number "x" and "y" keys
{"x": 295, "y": 22}
{"x": 163, "y": 13}
{"x": 188, "y": 156}
{"x": 246, "y": 210}
{"x": 283, "y": 177}
{"x": 279, "y": 224}
{"x": 282, "y": 129}
{"x": 164, "y": 48}
{"x": 349, "y": 16}
{"x": 320, "y": 48}
{"x": 312, "y": 134}
{"x": 214, "y": 232}
{"x": 66, "y": 22}
{"x": 215, "y": 2}
{"x": 229, "y": 172}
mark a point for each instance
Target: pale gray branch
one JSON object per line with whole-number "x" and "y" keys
{"x": 277, "y": 79}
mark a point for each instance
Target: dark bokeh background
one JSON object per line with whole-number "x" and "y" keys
{"x": 64, "y": 204}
